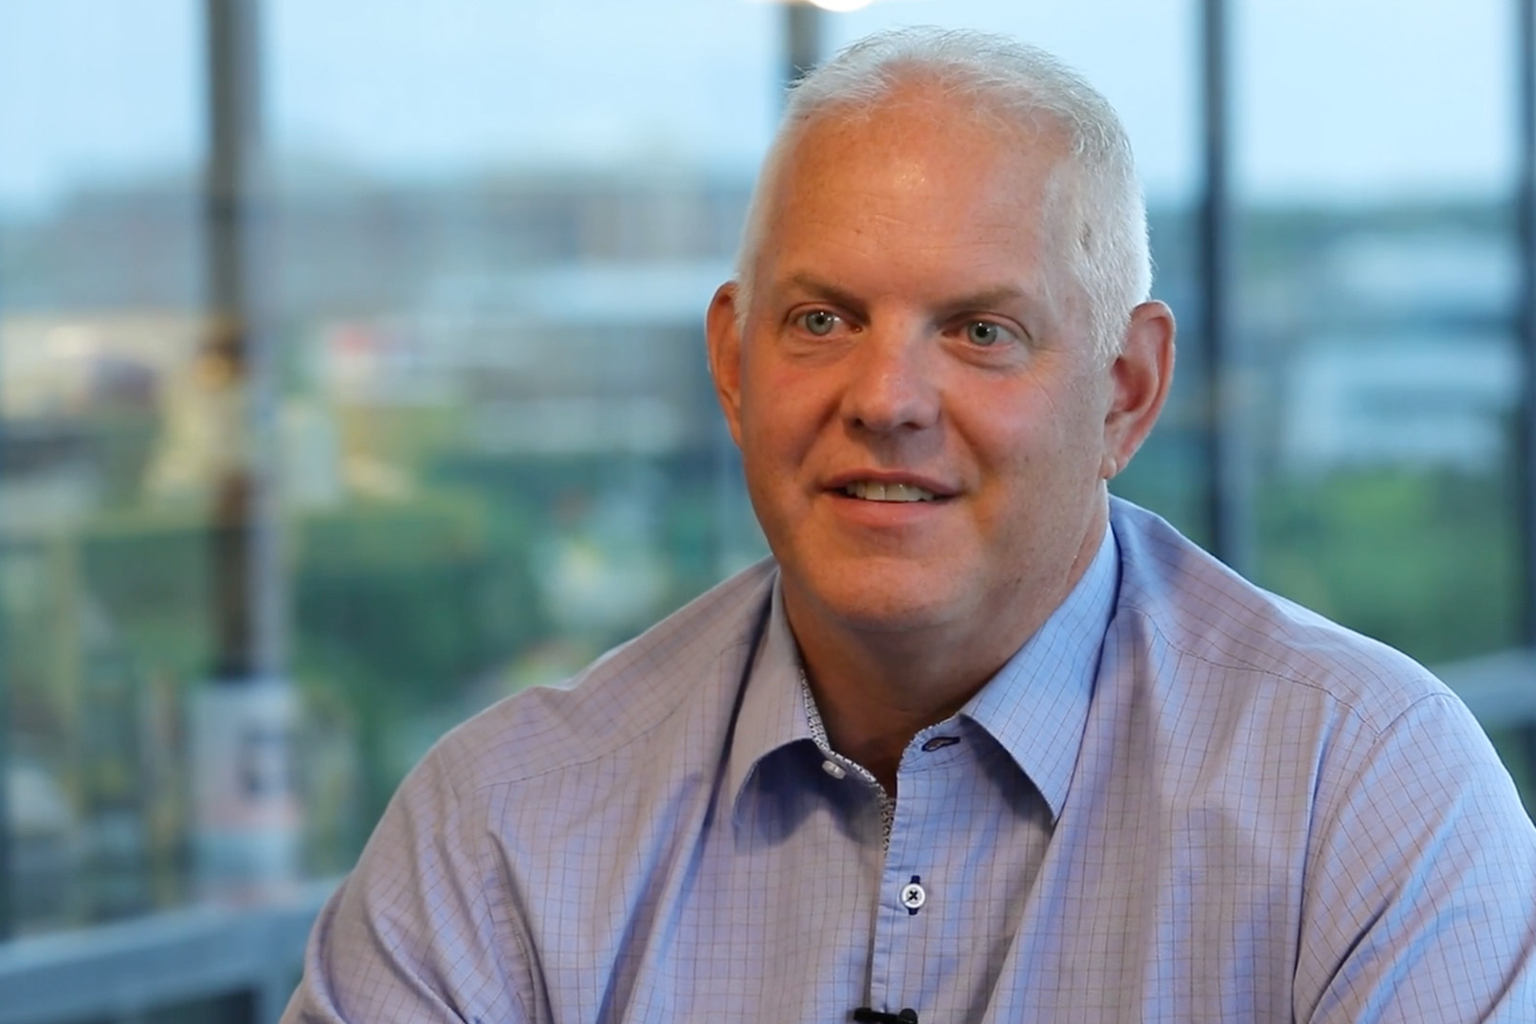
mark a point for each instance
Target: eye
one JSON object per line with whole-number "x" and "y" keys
{"x": 819, "y": 322}
{"x": 984, "y": 333}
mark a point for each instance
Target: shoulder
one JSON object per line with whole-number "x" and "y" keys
{"x": 1237, "y": 636}
{"x": 685, "y": 666}
{"x": 484, "y": 835}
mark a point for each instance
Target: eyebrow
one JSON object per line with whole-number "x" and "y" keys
{"x": 826, "y": 290}
{"x": 986, "y": 298}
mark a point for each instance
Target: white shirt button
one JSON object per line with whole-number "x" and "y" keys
{"x": 833, "y": 769}
{"x": 913, "y": 896}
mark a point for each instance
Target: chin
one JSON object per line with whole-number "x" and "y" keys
{"x": 879, "y": 599}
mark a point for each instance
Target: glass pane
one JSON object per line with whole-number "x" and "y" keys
{"x": 103, "y": 573}
{"x": 496, "y": 230}
{"x": 1375, "y": 310}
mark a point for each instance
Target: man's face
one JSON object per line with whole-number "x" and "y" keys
{"x": 921, "y": 416}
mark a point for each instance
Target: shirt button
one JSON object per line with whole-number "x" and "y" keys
{"x": 833, "y": 769}
{"x": 913, "y": 896}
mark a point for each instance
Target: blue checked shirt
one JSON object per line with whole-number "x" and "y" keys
{"x": 1183, "y": 800}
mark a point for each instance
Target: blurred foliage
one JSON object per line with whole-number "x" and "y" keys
{"x": 413, "y": 613}
{"x": 1423, "y": 561}
{"x": 397, "y": 604}
{"x": 1168, "y": 476}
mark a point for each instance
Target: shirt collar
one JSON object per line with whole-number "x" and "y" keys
{"x": 772, "y": 707}
{"x": 1035, "y": 707}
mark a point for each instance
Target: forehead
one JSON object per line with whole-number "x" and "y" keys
{"x": 916, "y": 174}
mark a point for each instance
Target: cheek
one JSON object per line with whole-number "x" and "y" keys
{"x": 1073, "y": 421}
{"x": 781, "y": 414}
{"x": 763, "y": 431}
{"x": 774, "y": 448}
{"x": 1046, "y": 452}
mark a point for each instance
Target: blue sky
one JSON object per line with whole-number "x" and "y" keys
{"x": 1345, "y": 98}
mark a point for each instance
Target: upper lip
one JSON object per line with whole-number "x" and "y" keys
{"x": 937, "y": 488}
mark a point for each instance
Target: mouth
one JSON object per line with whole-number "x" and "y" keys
{"x": 874, "y": 490}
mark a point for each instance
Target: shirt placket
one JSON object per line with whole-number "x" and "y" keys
{"x": 909, "y": 903}
{"x": 914, "y": 910}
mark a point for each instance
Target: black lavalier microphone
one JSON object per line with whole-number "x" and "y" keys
{"x": 868, "y": 1015}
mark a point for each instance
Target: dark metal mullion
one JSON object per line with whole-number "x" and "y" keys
{"x": 7, "y": 858}
{"x": 1227, "y": 482}
{"x": 1525, "y": 439}
{"x": 1525, "y": 204}
{"x": 802, "y": 40}
{"x": 247, "y": 584}
{"x": 7, "y": 913}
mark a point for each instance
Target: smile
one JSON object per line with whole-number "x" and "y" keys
{"x": 869, "y": 490}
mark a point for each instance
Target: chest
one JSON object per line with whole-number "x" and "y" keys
{"x": 792, "y": 906}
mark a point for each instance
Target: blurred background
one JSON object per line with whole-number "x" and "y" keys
{"x": 352, "y": 378}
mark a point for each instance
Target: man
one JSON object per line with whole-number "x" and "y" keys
{"x": 978, "y": 744}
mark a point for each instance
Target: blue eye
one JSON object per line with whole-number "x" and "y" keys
{"x": 980, "y": 332}
{"x": 819, "y": 322}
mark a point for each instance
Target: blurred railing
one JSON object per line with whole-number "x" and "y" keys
{"x": 1499, "y": 688}
{"x": 246, "y": 956}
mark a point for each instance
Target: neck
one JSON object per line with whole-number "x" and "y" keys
{"x": 873, "y": 701}
{"x": 876, "y": 687}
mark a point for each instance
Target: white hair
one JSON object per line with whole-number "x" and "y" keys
{"x": 1019, "y": 84}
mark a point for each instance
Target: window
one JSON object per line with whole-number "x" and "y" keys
{"x": 351, "y": 378}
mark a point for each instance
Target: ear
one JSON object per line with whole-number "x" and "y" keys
{"x": 1140, "y": 376}
{"x": 723, "y": 338}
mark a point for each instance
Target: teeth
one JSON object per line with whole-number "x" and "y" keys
{"x": 871, "y": 490}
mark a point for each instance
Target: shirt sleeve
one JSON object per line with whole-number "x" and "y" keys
{"x": 412, "y": 934}
{"x": 1421, "y": 891}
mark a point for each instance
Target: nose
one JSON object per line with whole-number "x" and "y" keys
{"x": 890, "y": 385}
